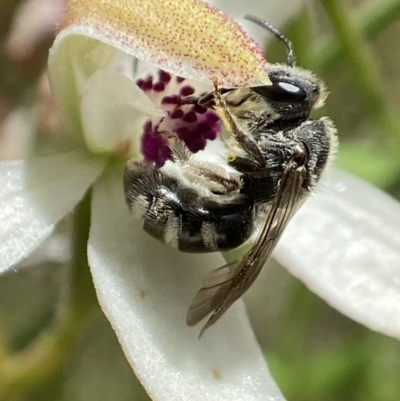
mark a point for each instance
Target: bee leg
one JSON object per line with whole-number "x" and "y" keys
{"x": 243, "y": 164}
{"x": 212, "y": 176}
{"x": 189, "y": 100}
{"x": 180, "y": 152}
{"x": 246, "y": 142}
{"x": 205, "y": 100}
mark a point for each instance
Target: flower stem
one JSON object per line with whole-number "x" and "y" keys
{"x": 47, "y": 354}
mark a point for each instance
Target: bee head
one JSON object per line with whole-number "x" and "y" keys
{"x": 293, "y": 92}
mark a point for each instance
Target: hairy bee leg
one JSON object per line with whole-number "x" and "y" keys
{"x": 217, "y": 179}
{"x": 180, "y": 152}
{"x": 206, "y": 100}
{"x": 246, "y": 142}
{"x": 191, "y": 101}
{"x": 180, "y": 216}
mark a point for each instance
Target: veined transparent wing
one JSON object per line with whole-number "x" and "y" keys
{"x": 223, "y": 286}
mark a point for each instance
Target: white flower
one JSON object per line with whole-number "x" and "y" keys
{"x": 342, "y": 243}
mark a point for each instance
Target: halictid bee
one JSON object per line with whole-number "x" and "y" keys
{"x": 271, "y": 163}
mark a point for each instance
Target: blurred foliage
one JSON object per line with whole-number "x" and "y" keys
{"x": 313, "y": 352}
{"x": 96, "y": 368}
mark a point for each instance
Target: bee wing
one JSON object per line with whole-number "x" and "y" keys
{"x": 223, "y": 286}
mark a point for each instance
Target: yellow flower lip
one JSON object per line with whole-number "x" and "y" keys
{"x": 185, "y": 37}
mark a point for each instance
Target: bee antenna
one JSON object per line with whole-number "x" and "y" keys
{"x": 278, "y": 34}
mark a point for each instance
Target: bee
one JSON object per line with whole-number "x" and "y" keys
{"x": 272, "y": 161}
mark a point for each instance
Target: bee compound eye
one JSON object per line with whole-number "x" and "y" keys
{"x": 282, "y": 91}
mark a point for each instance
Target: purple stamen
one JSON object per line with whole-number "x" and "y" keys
{"x": 174, "y": 99}
{"x": 199, "y": 109}
{"x": 184, "y": 132}
{"x": 186, "y": 91}
{"x": 197, "y": 144}
{"x": 154, "y": 146}
{"x": 178, "y": 113}
{"x": 193, "y": 124}
{"x": 211, "y": 134}
{"x": 159, "y": 86}
{"x": 164, "y": 76}
{"x": 147, "y": 84}
{"x": 203, "y": 128}
{"x": 190, "y": 117}
{"x": 212, "y": 118}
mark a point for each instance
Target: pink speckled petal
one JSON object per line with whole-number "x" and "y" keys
{"x": 144, "y": 288}
{"x": 186, "y": 37}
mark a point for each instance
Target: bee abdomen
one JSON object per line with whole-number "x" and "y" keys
{"x": 180, "y": 217}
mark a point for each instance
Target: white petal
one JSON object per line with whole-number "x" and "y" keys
{"x": 69, "y": 66}
{"x": 34, "y": 195}
{"x": 114, "y": 110}
{"x": 344, "y": 245}
{"x": 145, "y": 288}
